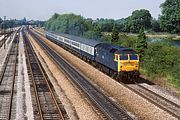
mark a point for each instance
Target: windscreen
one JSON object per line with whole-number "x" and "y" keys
{"x": 124, "y": 57}
{"x": 133, "y": 57}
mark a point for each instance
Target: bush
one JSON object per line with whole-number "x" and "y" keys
{"x": 162, "y": 59}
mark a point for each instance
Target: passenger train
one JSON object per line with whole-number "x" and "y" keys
{"x": 119, "y": 62}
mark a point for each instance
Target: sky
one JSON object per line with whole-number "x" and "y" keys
{"x": 44, "y": 9}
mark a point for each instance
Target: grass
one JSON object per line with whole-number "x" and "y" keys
{"x": 149, "y": 35}
{"x": 174, "y": 82}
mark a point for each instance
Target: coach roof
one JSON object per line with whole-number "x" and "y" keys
{"x": 89, "y": 42}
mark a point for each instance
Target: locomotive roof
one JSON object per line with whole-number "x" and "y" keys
{"x": 90, "y": 42}
{"x": 116, "y": 49}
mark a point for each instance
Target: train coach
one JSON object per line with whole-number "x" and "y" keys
{"x": 83, "y": 47}
{"x": 119, "y": 62}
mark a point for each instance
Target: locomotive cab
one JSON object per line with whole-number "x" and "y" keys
{"x": 117, "y": 61}
{"x": 128, "y": 64}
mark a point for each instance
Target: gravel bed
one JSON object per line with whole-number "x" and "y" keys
{"x": 140, "y": 107}
{"x": 163, "y": 92}
{"x": 24, "y": 108}
{"x": 76, "y": 105}
{"x": 1, "y": 37}
{"x": 4, "y": 52}
{"x": 20, "y": 93}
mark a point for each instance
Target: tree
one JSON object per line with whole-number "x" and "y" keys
{"x": 106, "y": 25}
{"x": 155, "y": 25}
{"x": 67, "y": 23}
{"x": 141, "y": 43}
{"x": 93, "y": 34}
{"x": 1, "y": 20}
{"x": 138, "y": 19}
{"x": 120, "y": 24}
{"x": 170, "y": 18}
{"x": 115, "y": 34}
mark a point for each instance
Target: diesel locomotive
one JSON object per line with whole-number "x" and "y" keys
{"x": 117, "y": 61}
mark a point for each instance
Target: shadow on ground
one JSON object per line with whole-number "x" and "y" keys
{"x": 139, "y": 81}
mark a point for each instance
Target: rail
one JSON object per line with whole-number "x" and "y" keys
{"x": 42, "y": 87}
{"x": 8, "y": 77}
{"x": 107, "y": 106}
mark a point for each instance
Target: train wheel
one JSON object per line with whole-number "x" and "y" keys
{"x": 136, "y": 78}
{"x": 111, "y": 74}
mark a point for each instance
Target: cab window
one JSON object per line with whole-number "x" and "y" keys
{"x": 124, "y": 57}
{"x": 116, "y": 57}
{"x": 133, "y": 57}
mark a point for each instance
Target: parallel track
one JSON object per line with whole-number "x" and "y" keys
{"x": 8, "y": 80}
{"x": 165, "y": 104}
{"x": 160, "y": 101}
{"x": 110, "y": 109}
{"x": 47, "y": 105}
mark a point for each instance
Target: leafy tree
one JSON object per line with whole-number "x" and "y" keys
{"x": 155, "y": 25}
{"x": 1, "y": 20}
{"x": 127, "y": 41}
{"x": 97, "y": 30}
{"x": 170, "y": 18}
{"x": 93, "y": 34}
{"x": 138, "y": 19}
{"x": 67, "y": 23}
{"x": 89, "y": 23}
{"x": 141, "y": 43}
{"x": 120, "y": 24}
{"x": 106, "y": 25}
{"x": 115, "y": 34}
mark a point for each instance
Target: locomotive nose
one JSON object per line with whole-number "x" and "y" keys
{"x": 129, "y": 66}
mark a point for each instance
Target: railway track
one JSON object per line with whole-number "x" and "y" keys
{"x": 8, "y": 81}
{"x": 158, "y": 100}
{"x": 46, "y": 104}
{"x": 110, "y": 109}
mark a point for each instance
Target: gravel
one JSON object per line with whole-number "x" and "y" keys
{"x": 140, "y": 107}
{"x": 71, "y": 97}
{"x": 163, "y": 92}
{"x": 22, "y": 82}
{"x": 4, "y": 52}
{"x": 1, "y": 37}
{"x": 20, "y": 93}
{"x": 28, "y": 101}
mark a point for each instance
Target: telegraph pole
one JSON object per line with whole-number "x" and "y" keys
{"x": 4, "y": 30}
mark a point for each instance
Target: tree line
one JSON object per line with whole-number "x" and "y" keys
{"x": 14, "y": 23}
{"x": 168, "y": 21}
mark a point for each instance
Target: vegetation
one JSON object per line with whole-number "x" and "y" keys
{"x": 93, "y": 34}
{"x": 74, "y": 25}
{"x": 138, "y": 19}
{"x": 106, "y": 25}
{"x": 155, "y": 25}
{"x": 169, "y": 21}
{"x": 141, "y": 44}
{"x": 162, "y": 60}
{"x": 158, "y": 59}
{"x": 1, "y": 20}
{"x": 115, "y": 34}
{"x": 67, "y": 23}
{"x": 170, "y": 18}
{"x": 14, "y": 23}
